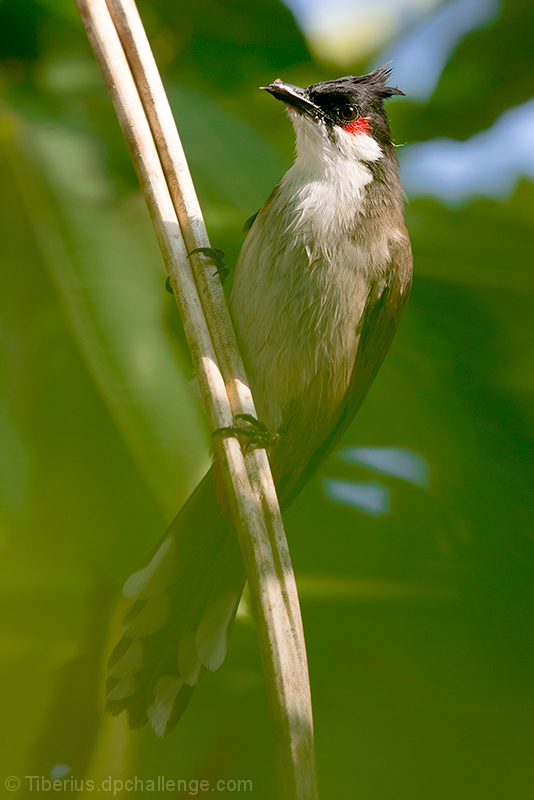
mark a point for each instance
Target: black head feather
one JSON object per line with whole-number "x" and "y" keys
{"x": 378, "y": 80}
{"x": 373, "y": 86}
{"x": 364, "y": 93}
{"x": 333, "y": 103}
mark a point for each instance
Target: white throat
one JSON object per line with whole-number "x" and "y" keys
{"x": 326, "y": 184}
{"x": 314, "y": 144}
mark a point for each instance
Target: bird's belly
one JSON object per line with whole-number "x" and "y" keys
{"x": 298, "y": 331}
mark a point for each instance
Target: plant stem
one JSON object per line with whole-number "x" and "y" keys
{"x": 122, "y": 50}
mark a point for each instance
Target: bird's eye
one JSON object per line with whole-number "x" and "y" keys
{"x": 348, "y": 113}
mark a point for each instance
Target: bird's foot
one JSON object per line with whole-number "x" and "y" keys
{"x": 213, "y": 253}
{"x": 217, "y": 256}
{"x": 252, "y": 433}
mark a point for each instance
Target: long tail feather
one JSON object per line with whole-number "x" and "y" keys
{"x": 185, "y": 600}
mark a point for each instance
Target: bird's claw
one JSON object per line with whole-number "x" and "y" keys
{"x": 256, "y": 433}
{"x": 217, "y": 256}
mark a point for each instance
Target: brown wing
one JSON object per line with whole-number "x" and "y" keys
{"x": 250, "y": 222}
{"x": 379, "y": 326}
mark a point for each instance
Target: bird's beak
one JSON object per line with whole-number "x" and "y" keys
{"x": 293, "y": 96}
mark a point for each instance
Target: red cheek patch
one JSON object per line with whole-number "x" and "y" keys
{"x": 360, "y": 125}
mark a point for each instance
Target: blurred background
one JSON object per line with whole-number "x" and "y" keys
{"x": 413, "y": 545}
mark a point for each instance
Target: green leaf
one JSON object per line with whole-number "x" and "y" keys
{"x": 108, "y": 274}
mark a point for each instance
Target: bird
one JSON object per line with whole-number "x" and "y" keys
{"x": 318, "y": 291}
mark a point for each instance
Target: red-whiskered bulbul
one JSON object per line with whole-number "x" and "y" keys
{"x": 318, "y": 291}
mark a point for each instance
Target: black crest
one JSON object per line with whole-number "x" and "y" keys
{"x": 377, "y": 80}
{"x": 373, "y": 85}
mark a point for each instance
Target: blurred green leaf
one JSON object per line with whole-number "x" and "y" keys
{"x": 230, "y": 160}
{"x": 490, "y": 71}
{"x": 110, "y": 294}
